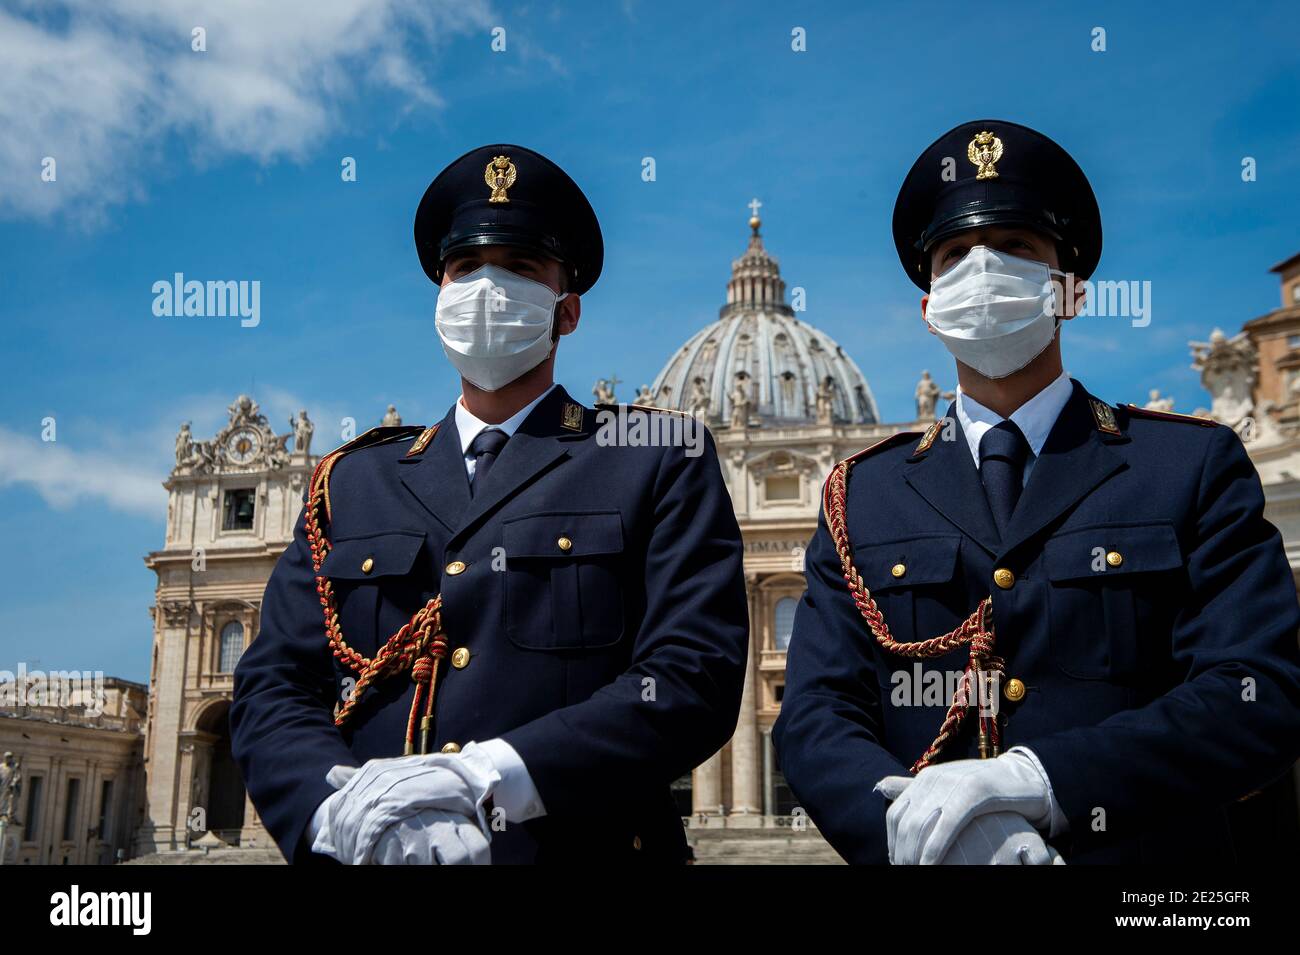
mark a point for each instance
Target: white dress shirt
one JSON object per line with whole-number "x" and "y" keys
{"x": 469, "y": 426}
{"x": 1034, "y": 418}
{"x": 516, "y": 795}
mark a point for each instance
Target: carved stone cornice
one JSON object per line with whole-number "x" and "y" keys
{"x": 175, "y": 613}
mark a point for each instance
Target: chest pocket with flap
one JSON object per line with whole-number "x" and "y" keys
{"x": 912, "y": 582}
{"x": 1113, "y": 588}
{"x": 563, "y": 588}
{"x": 379, "y": 581}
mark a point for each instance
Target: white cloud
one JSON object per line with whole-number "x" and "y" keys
{"x": 102, "y": 85}
{"x": 64, "y": 477}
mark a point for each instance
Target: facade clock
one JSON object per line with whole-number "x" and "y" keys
{"x": 242, "y": 446}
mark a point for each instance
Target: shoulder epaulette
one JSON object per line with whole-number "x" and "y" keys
{"x": 1169, "y": 416}
{"x": 615, "y": 405}
{"x": 377, "y": 436}
{"x": 901, "y": 437}
{"x": 373, "y": 438}
{"x": 835, "y": 481}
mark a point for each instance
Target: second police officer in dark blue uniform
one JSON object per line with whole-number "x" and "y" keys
{"x": 503, "y": 637}
{"x": 1070, "y": 620}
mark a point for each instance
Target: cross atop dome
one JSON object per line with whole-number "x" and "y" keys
{"x": 754, "y": 220}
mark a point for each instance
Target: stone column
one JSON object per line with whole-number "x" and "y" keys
{"x": 185, "y": 795}
{"x": 90, "y": 847}
{"x": 745, "y": 768}
{"x": 52, "y": 824}
{"x": 253, "y": 835}
{"x": 164, "y": 825}
{"x": 706, "y": 791}
{"x": 769, "y": 791}
{"x": 196, "y": 768}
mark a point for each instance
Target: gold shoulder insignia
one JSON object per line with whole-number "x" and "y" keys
{"x": 1170, "y": 416}
{"x": 1104, "y": 415}
{"x": 422, "y": 441}
{"x": 571, "y": 416}
{"x": 927, "y": 439}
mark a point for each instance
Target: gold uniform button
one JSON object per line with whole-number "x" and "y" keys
{"x": 1114, "y": 558}
{"x": 1004, "y": 578}
{"x": 1014, "y": 690}
{"x": 456, "y": 567}
{"x": 898, "y": 570}
{"x": 367, "y": 565}
{"x": 564, "y": 544}
{"x": 460, "y": 658}
{"x": 451, "y": 748}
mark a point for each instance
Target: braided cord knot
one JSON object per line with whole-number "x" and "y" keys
{"x": 418, "y": 646}
{"x": 976, "y": 631}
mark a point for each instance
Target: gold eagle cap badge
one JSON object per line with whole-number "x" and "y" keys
{"x": 500, "y": 175}
{"x": 572, "y": 416}
{"x": 984, "y": 151}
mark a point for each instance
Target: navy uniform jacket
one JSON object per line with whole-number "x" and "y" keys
{"x": 1135, "y": 706}
{"x": 613, "y": 668}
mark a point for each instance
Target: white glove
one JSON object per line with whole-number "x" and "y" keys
{"x": 1001, "y": 838}
{"x": 931, "y": 809}
{"x": 433, "y": 837}
{"x": 384, "y": 791}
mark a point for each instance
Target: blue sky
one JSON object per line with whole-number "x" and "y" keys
{"x": 225, "y": 165}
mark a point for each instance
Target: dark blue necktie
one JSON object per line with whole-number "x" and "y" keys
{"x": 485, "y": 447}
{"x": 1003, "y": 453}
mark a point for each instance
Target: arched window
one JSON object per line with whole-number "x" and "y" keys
{"x": 232, "y": 645}
{"x": 784, "y": 622}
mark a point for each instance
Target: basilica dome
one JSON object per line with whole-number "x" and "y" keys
{"x": 758, "y": 361}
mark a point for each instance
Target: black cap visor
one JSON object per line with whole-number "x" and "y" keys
{"x": 972, "y": 205}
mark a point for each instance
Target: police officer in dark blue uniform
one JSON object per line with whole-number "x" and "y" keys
{"x": 500, "y": 638}
{"x": 1048, "y": 629}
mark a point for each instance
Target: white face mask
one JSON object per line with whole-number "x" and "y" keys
{"x": 994, "y": 312}
{"x": 495, "y": 325}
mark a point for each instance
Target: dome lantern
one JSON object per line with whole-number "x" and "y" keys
{"x": 787, "y": 371}
{"x": 755, "y": 276}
